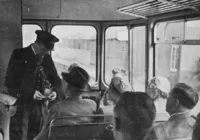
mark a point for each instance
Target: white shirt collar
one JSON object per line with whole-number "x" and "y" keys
{"x": 33, "y": 48}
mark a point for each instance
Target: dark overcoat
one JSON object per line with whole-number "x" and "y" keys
{"x": 21, "y": 82}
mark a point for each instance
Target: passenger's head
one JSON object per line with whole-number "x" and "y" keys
{"x": 158, "y": 87}
{"x": 181, "y": 98}
{"x": 117, "y": 87}
{"x": 119, "y": 70}
{"x": 77, "y": 80}
{"x": 134, "y": 115}
{"x": 45, "y": 42}
{"x": 196, "y": 134}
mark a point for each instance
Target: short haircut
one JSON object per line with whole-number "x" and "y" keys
{"x": 135, "y": 114}
{"x": 186, "y": 95}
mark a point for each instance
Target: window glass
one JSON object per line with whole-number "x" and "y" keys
{"x": 138, "y": 59}
{"x": 159, "y": 32}
{"x": 190, "y": 69}
{"x": 77, "y": 45}
{"x": 28, "y": 32}
{"x": 174, "y": 31}
{"x": 190, "y": 64}
{"x": 172, "y": 59}
{"x": 116, "y": 50}
{"x": 192, "y": 30}
{"x": 164, "y": 62}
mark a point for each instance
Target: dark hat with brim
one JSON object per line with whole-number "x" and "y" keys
{"x": 47, "y": 39}
{"x": 77, "y": 77}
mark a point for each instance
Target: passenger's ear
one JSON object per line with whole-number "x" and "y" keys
{"x": 176, "y": 103}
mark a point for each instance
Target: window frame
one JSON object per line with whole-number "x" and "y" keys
{"x": 184, "y": 42}
{"x": 173, "y": 58}
{"x": 104, "y": 52}
{"x": 38, "y": 24}
{"x": 165, "y": 40}
{"x": 146, "y": 54}
{"x": 191, "y": 41}
{"x": 53, "y": 24}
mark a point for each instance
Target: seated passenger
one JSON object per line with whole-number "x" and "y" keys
{"x": 73, "y": 104}
{"x": 182, "y": 98}
{"x": 119, "y": 84}
{"x": 64, "y": 83}
{"x": 134, "y": 115}
{"x": 196, "y": 134}
{"x": 158, "y": 89}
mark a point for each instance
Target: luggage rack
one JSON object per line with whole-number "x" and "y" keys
{"x": 155, "y": 7}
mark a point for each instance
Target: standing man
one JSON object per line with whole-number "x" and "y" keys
{"x": 30, "y": 71}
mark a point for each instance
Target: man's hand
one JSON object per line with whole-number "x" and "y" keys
{"x": 52, "y": 96}
{"x": 38, "y": 96}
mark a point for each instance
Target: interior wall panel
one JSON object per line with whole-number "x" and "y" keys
{"x": 10, "y": 33}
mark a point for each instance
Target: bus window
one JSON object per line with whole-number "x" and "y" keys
{"x": 192, "y": 30}
{"x": 174, "y": 31}
{"x": 138, "y": 57}
{"x": 116, "y": 50}
{"x": 159, "y": 34}
{"x": 167, "y": 53}
{"x": 77, "y": 45}
{"x": 28, "y": 32}
{"x": 178, "y": 61}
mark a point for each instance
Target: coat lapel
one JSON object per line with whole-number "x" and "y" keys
{"x": 29, "y": 59}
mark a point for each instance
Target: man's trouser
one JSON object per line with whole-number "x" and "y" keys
{"x": 25, "y": 125}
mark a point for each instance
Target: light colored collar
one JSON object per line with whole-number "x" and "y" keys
{"x": 179, "y": 115}
{"x": 33, "y": 48}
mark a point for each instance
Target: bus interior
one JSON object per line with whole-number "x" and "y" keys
{"x": 146, "y": 37}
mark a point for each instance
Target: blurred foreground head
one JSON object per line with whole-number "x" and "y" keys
{"x": 134, "y": 115}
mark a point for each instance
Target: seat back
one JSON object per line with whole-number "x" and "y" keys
{"x": 174, "y": 139}
{"x": 68, "y": 128}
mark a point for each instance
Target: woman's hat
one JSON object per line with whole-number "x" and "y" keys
{"x": 77, "y": 77}
{"x": 158, "y": 87}
{"x": 161, "y": 83}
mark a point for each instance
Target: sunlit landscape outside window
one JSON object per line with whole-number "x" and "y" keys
{"x": 29, "y": 35}
{"x": 116, "y": 50}
{"x": 77, "y": 45}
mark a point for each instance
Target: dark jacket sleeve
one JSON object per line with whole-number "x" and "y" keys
{"x": 13, "y": 74}
{"x": 15, "y": 78}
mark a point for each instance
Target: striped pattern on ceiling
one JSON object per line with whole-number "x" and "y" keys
{"x": 155, "y": 7}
